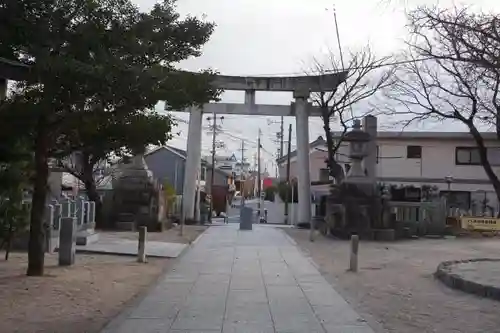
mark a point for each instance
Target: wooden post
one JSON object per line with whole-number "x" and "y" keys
{"x": 353, "y": 265}
{"x": 141, "y": 251}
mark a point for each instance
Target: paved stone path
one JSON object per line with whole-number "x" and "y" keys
{"x": 235, "y": 281}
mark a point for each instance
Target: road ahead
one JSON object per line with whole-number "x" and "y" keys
{"x": 274, "y": 211}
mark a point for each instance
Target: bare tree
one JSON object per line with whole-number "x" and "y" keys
{"x": 365, "y": 76}
{"x": 457, "y": 80}
{"x": 470, "y": 37}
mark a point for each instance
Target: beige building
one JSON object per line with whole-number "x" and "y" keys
{"x": 447, "y": 160}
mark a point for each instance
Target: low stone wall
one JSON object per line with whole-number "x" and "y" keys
{"x": 446, "y": 274}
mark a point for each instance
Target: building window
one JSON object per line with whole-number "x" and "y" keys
{"x": 413, "y": 151}
{"x": 467, "y": 156}
{"x": 493, "y": 154}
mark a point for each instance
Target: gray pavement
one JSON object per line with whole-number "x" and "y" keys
{"x": 112, "y": 244}
{"x": 242, "y": 281}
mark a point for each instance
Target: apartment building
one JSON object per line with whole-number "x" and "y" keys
{"x": 447, "y": 160}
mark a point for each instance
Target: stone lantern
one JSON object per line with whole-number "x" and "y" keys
{"x": 358, "y": 140}
{"x": 135, "y": 195}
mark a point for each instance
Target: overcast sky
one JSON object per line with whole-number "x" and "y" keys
{"x": 270, "y": 37}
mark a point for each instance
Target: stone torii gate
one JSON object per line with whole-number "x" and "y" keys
{"x": 301, "y": 86}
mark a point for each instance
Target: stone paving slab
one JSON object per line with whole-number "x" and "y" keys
{"x": 129, "y": 247}
{"x": 235, "y": 281}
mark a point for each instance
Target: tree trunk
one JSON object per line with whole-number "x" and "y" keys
{"x": 36, "y": 248}
{"x": 335, "y": 168}
{"x": 91, "y": 188}
{"x": 483, "y": 155}
{"x": 8, "y": 243}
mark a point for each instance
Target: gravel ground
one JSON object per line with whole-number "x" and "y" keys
{"x": 395, "y": 290}
{"x": 77, "y": 299}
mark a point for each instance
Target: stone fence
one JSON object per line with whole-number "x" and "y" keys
{"x": 427, "y": 217}
{"x": 409, "y": 218}
{"x": 79, "y": 208}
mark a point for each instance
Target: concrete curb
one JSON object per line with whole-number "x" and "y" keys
{"x": 82, "y": 251}
{"x": 197, "y": 239}
{"x": 444, "y": 273}
{"x": 113, "y": 325}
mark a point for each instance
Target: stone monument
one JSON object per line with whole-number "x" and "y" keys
{"x": 134, "y": 196}
{"x": 353, "y": 203}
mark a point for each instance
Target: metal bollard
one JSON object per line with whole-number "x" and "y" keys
{"x": 353, "y": 265}
{"x": 141, "y": 251}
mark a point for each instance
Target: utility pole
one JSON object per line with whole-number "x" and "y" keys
{"x": 259, "y": 181}
{"x": 242, "y": 182}
{"x": 288, "y": 171}
{"x": 212, "y": 175}
{"x": 279, "y": 136}
{"x": 282, "y": 134}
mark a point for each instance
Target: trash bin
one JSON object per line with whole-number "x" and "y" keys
{"x": 246, "y": 217}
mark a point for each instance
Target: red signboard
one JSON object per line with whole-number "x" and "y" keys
{"x": 267, "y": 182}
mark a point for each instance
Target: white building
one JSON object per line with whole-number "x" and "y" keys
{"x": 230, "y": 164}
{"x": 449, "y": 161}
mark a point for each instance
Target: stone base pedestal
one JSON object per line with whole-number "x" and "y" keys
{"x": 385, "y": 235}
{"x": 126, "y": 222}
{"x": 368, "y": 234}
{"x": 85, "y": 237}
{"x": 125, "y": 226}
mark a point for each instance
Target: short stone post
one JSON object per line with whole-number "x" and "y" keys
{"x": 246, "y": 218}
{"x": 67, "y": 241}
{"x": 92, "y": 213}
{"x": 72, "y": 209}
{"x": 86, "y": 212}
{"x": 353, "y": 264}
{"x": 80, "y": 212}
{"x": 66, "y": 208}
{"x": 58, "y": 215}
{"x": 141, "y": 251}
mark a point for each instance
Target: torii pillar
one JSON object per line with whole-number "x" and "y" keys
{"x": 302, "y": 109}
{"x": 193, "y": 163}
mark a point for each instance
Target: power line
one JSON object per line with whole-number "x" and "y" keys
{"x": 381, "y": 65}
{"x": 248, "y": 141}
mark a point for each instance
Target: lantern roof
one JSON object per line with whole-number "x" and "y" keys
{"x": 357, "y": 134}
